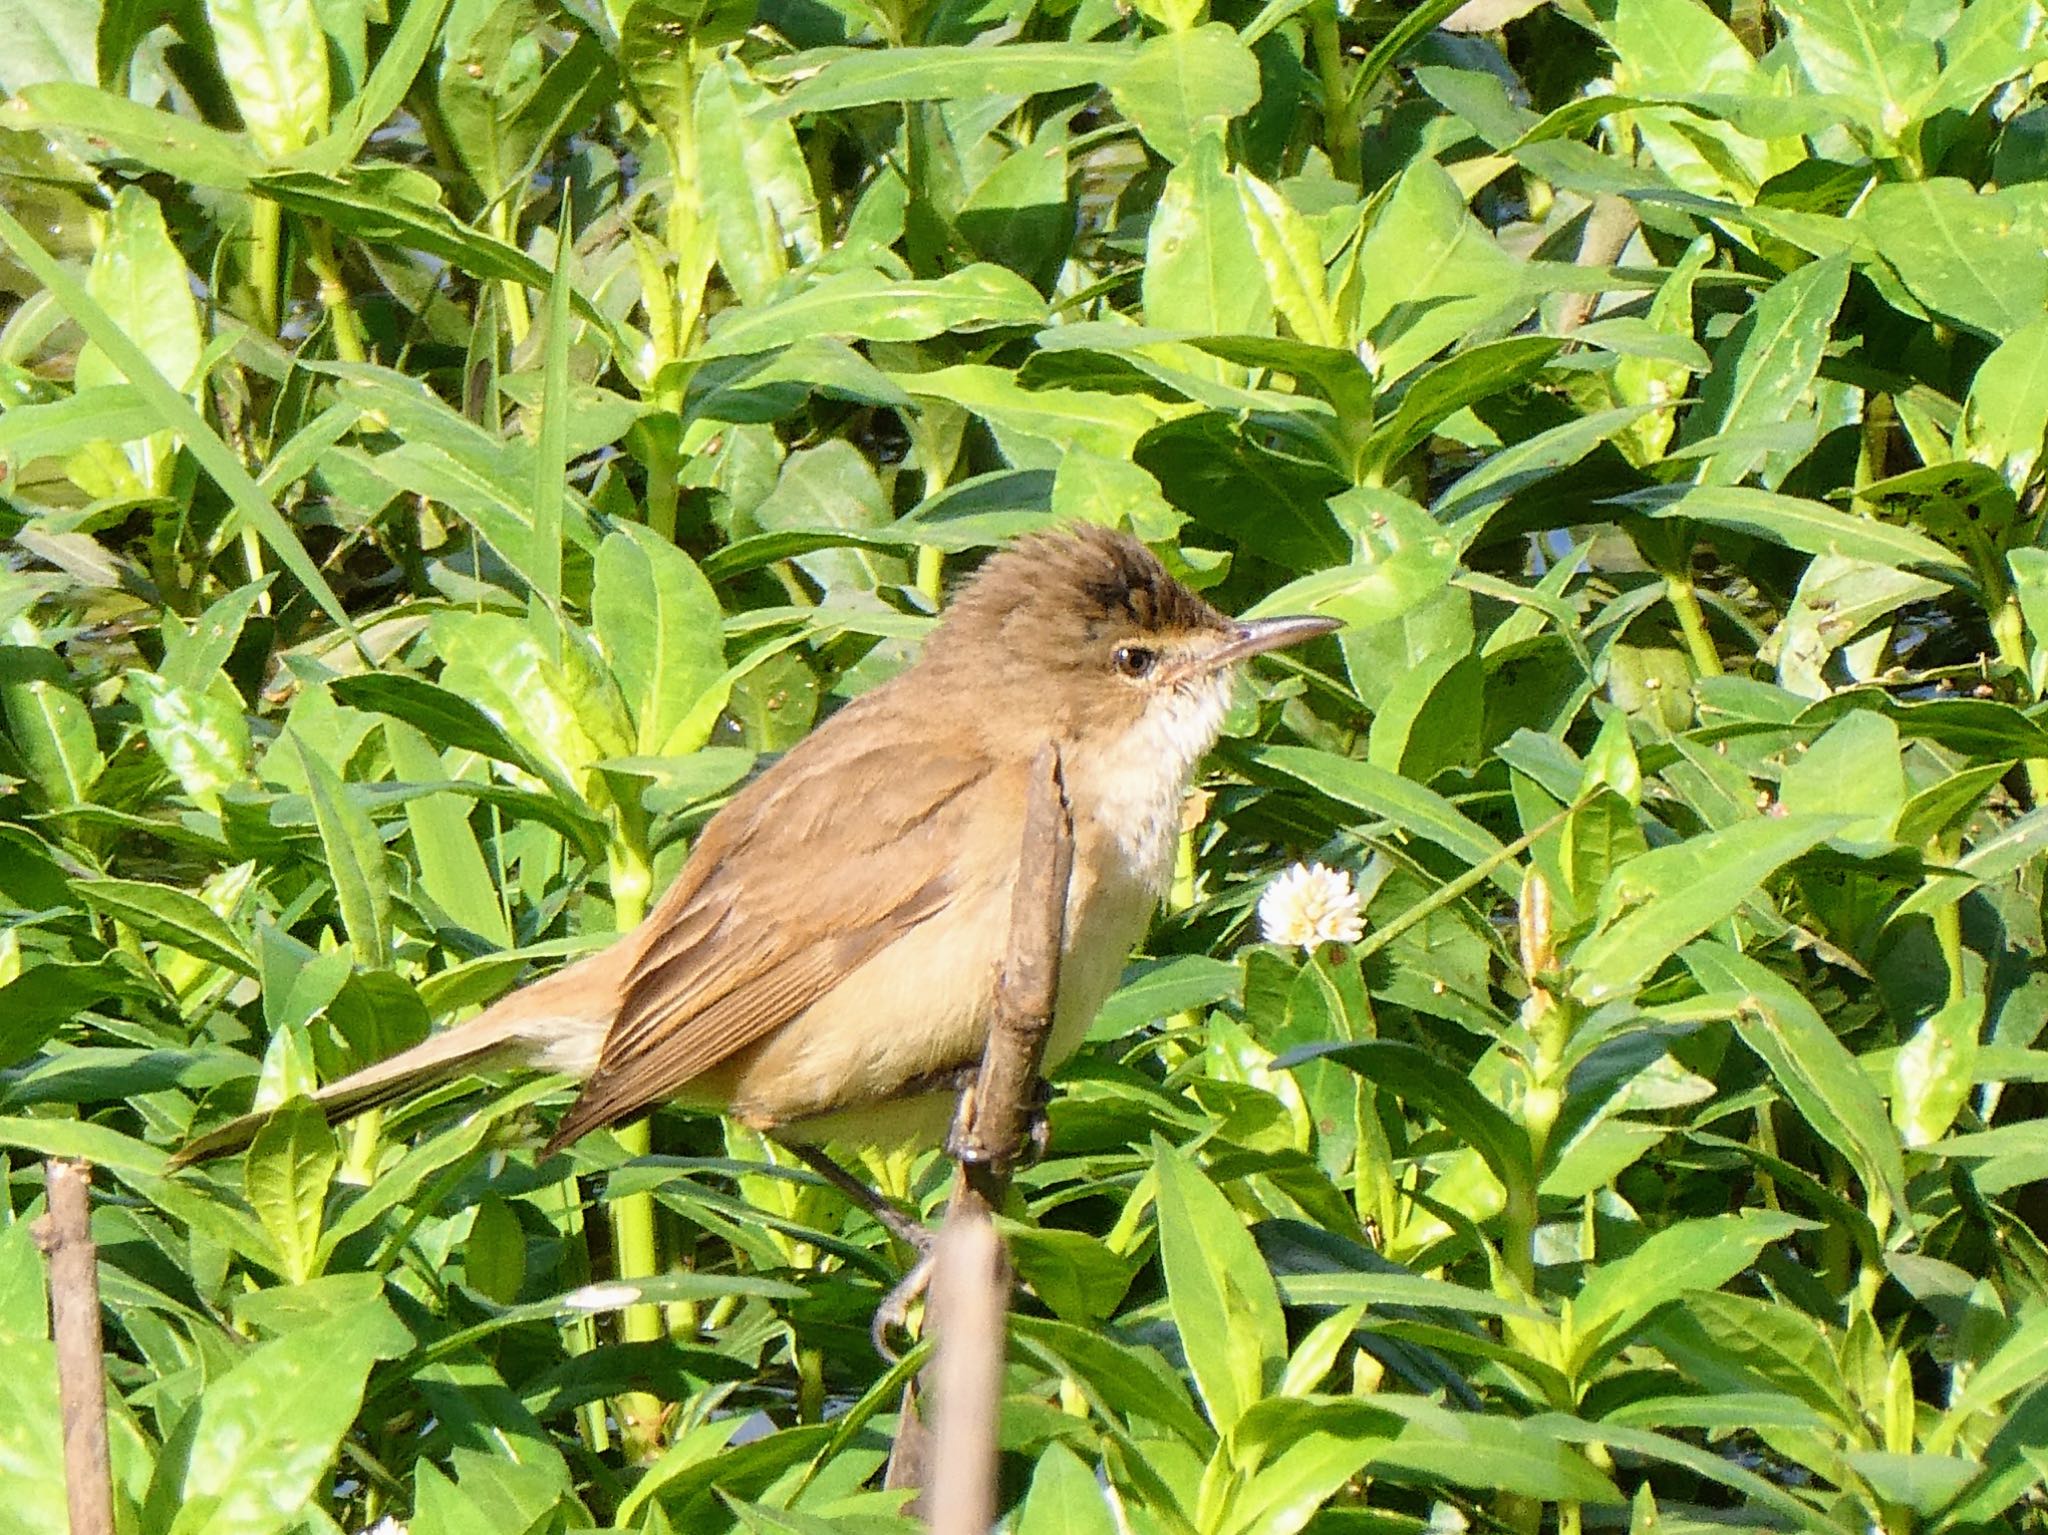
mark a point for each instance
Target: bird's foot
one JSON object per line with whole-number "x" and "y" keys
{"x": 893, "y": 1314}
{"x": 965, "y": 1147}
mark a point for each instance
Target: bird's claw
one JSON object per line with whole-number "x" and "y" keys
{"x": 893, "y": 1314}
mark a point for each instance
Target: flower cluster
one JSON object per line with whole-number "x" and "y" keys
{"x": 1310, "y": 905}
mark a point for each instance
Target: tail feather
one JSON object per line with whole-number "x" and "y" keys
{"x": 556, "y": 1024}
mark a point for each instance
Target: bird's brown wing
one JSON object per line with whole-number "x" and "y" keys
{"x": 757, "y": 928}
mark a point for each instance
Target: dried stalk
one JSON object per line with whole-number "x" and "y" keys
{"x": 971, "y": 1278}
{"x": 65, "y": 1236}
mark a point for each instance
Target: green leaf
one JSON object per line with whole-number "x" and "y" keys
{"x": 1218, "y": 1289}
{"x": 274, "y": 57}
{"x": 2006, "y": 413}
{"x": 1993, "y": 41}
{"x": 1488, "y": 1451}
{"x": 397, "y": 205}
{"x": 1291, "y": 254}
{"x": 1064, "y": 1498}
{"x": 437, "y": 712}
{"x": 81, "y": 1141}
{"x": 1663, "y": 899}
{"x": 1764, "y": 369}
{"x": 290, "y": 1164}
{"x": 869, "y": 306}
{"x": 1701, "y": 1254}
{"x": 1303, "y": 1452}
{"x": 1934, "y": 1070}
{"x": 1809, "y": 527}
{"x": 1969, "y": 256}
{"x": 833, "y": 79}
{"x": 354, "y": 859}
{"x": 140, "y": 280}
{"x": 163, "y": 141}
{"x": 1202, "y": 271}
{"x": 1414, "y": 809}
{"x": 1105, "y": 424}
{"x": 165, "y": 914}
{"x": 494, "y": 1258}
{"x": 201, "y": 736}
{"x": 452, "y": 870}
{"x": 1867, "y": 53}
{"x": 1158, "y": 989}
{"x": 661, "y": 631}
{"x": 1415, "y": 1076}
{"x": 1179, "y": 86}
{"x": 247, "y": 1457}
{"x": 48, "y": 726}
{"x": 1813, "y": 1068}
{"x": 1472, "y": 375}
{"x": 398, "y": 64}
{"x": 1435, "y": 275}
{"x": 99, "y": 413}
{"x": 1851, "y": 769}
{"x": 755, "y": 185}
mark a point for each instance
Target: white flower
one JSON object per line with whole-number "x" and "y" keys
{"x": 1310, "y": 905}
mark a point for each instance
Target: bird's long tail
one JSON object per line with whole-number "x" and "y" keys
{"x": 557, "y": 1023}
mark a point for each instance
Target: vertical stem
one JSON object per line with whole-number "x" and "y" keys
{"x": 266, "y": 236}
{"x": 1181, "y": 897}
{"x": 2009, "y": 634}
{"x": 1948, "y": 926}
{"x": 580, "y": 1334}
{"x": 810, "y": 1385}
{"x": 1340, "y": 120}
{"x": 931, "y": 572}
{"x": 518, "y": 317}
{"x": 334, "y": 294}
{"x": 1692, "y": 623}
{"x": 663, "y": 488}
{"x": 636, "y": 1249}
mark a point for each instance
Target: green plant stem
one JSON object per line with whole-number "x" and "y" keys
{"x": 664, "y": 490}
{"x": 579, "y": 1333}
{"x": 635, "y": 1244}
{"x": 1692, "y": 623}
{"x": 518, "y": 315}
{"x": 1340, "y": 115}
{"x": 266, "y": 237}
{"x": 1518, "y": 1238}
{"x": 1948, "y": 937}
{"x": 1182, "y": 896}
{"x": 334, "y": 295}
{"x": 931, "y": 572}
{"x": 810, "y": 1385}
{"x": 2009, "y": 635}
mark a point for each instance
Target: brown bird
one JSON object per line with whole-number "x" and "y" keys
{"x": 824, "y": 968}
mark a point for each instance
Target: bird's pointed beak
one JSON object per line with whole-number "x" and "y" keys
{"x": 1256, "y": 635}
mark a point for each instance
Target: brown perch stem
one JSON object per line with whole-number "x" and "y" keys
{"x": 956, "y": 1462}
{"x": 65, "y": 1236}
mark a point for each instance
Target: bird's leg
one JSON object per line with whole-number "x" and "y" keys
{"x": 1037, "y": 1128}
{"x": 899, "y": 1223}
{"x": 894, "y": 1312}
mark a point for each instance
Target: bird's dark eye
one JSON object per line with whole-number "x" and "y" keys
{"x": 1133, "y": 660}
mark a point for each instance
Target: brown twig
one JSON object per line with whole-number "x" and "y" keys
{"x": 970, "y": 1293}
{"x": 65, "y": 1236}
{"x": 1608, "y": 227}
{"x": 988, "y": 1135}
{"x": 971, "y": 1281}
